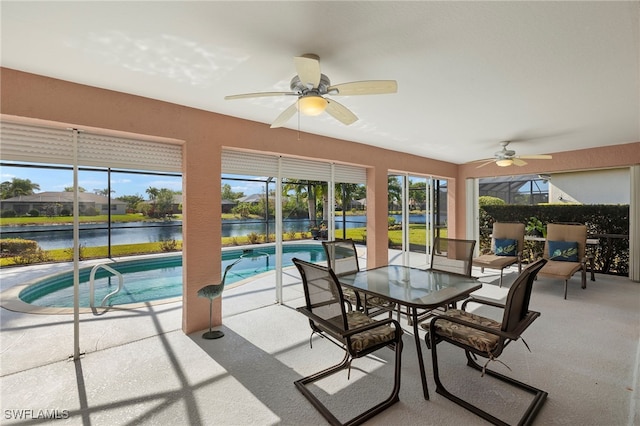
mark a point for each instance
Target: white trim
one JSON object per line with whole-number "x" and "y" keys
{"x": 634, "y": 224}
{"x": 472, "y": 215}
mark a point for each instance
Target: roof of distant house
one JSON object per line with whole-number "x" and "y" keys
{"x": 62, "y": 197}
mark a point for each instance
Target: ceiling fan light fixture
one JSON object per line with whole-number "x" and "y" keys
{"x": 312, "y": 104}
{"x": 504, "y": 162}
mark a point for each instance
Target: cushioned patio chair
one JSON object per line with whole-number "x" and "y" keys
{"x": 452, "y": 255}
{"x": 354, "y": 331}
{"x": 487, "y": 338}
{"x": 565, "y": 250}
{"x": 507, "y": 244}
{"x": 342, "y": 258}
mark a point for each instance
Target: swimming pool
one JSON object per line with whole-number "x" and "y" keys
{"x": 158, "y": 278}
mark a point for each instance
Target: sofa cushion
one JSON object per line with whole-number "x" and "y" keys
{"x": 506, "y": 247}
{"x": 565, "y": 251}
{"x": 481, "y": 340}
{"x": 373, "y": 336}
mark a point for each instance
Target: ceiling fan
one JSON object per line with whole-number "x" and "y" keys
{"x": 310, "y": 87}
{"x": 507, "y": 157}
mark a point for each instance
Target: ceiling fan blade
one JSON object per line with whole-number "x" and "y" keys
{"x": 285, "y": 116}
{"x": 536, "y": 157}
{"x": 340, "y": 113}
{"x": 519, "y": 162}
{"x": 485, "y": 163}
{"x": 365, "y": 87}
{"x": 308, "y": 68}
{"x": 259, "y": 95}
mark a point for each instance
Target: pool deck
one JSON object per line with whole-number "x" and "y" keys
{"x": 138, "y": 367}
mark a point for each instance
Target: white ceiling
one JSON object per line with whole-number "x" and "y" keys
{"x": 554, "y": 76}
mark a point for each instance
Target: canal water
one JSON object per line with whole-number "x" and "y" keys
{"x": 51, "y": 237}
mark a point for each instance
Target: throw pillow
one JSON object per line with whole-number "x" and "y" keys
{"x": 506, "y": 247}
{"x": 566, "y": 251}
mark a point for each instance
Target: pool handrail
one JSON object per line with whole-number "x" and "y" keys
{"x": 92, "y": 290}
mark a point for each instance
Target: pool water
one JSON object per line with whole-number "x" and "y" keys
{"x": 158, "y": 278}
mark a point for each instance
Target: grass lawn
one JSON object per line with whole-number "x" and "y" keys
{"x": 57, "y": 220}
{"x": 417, "y": 235}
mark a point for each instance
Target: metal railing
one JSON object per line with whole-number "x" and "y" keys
{"x": 92, "y": 290}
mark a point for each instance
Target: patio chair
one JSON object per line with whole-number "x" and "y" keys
{"x": 452, "y": 255}
{"x": 342, "y": 258}
{"x": 565, "y": 249}
{"x": 354, "y": 331}
{"x": 507, "y": 244}
{"x": 484, "y": 337}
{"x": 211, "y": 292}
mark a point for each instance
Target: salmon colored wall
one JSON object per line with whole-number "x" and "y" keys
{"x": 204, "y": 135}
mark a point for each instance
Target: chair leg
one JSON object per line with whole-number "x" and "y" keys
{"x": 501, "y": 271}
{"x": 566, "y": 284}
{"x": 529, "y": 415}
{"x": 366, "y": 415}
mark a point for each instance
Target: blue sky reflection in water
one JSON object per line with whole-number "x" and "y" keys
{"x": 160, "y": 277}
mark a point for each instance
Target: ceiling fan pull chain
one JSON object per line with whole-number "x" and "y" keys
{"x": 298, "y": 102}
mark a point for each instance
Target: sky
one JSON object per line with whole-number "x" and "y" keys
{"x": 122, "y": 183}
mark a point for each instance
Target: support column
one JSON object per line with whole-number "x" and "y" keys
{"x": 377, "y": 217}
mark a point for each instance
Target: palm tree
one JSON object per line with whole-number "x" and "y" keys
{"x": 345, "y": 193}
{"x": 16, "y": 187}
{"x": 152, "y": 192}
{"x": 306, "y": 190}
{"x": 395, "y": 190}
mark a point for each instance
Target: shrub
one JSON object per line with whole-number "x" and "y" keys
{"x": 65, "y": 212}
{"x": 254, "y": 238}
{"x": 10, "y": 247}
{"x": 8, "y": 213}
{"x": 168, "y": 245}
{"x": 34, "y": 213}
{"x": 610, "y": 256}
{"x": 81, "y": 252}
{"x": 30, "y": 256}
{"x": 91, "y": 211}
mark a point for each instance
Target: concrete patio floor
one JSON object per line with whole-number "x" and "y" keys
{"x": 138, "y": 366}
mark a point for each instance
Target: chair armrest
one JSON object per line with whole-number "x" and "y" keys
{"x": 344, "y": 334}
{"x": 320, "y": 321}
{"x": 481, "y": 302}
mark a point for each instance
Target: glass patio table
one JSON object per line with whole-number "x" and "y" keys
{"x": 417, "y": 289}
